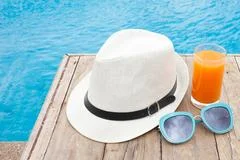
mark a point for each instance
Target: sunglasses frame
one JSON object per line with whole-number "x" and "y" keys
{"x": 217, "y": 105}
{"x": 196, "y": 121}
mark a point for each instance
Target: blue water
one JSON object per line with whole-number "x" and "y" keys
{"x": 35, "y": 34}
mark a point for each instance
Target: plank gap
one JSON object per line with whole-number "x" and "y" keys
{"x": 53, "y": 108}
{"x": 235, "y": 58}
{"x": 45, "y": 114}
{"x": 104, "y": 151}
{"x": 125, "y": 152}
{"x": 160, "y": 146}
{"x": 218, "y": 156}
{"x": 62, "y": 104}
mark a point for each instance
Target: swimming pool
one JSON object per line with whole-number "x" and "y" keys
{"x": 34, "y": 35}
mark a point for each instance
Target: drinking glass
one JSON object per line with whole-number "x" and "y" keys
{"x": 208, "y": 70}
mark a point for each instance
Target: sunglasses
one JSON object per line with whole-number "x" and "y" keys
{"x": 179, "y": 127}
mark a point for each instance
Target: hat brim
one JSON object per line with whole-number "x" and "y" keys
{"x": 109, "y": 131}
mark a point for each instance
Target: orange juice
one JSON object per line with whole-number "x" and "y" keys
{"x": 208, "y": 71}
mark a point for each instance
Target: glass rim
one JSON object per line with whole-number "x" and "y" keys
{"x": 222, "y": 51}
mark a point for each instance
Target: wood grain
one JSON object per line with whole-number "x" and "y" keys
{"x": 228, "y": 144}
{"x": 231, "y": 83}
{"x": 40, "y": 120}
{"x": 54, "y": 108}
{"x": 54, "y": 138}
{"x": 144, "y": 147}
{"x": 66, "y": 143}
{"x": 147, "y": 146}
{"x": 202, "y": 145}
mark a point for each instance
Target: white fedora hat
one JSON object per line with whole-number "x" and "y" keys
{"x": 136, "y": 79}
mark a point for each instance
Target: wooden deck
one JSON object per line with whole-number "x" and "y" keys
{"x": 54, "y": 138}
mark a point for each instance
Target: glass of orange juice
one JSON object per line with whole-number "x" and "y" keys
{"x": 208, "y": 70}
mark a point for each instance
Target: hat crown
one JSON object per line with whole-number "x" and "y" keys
{"x": 132, "y": 70}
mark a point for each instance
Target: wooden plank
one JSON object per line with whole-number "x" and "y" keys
{"x": 237, "y": 58}
{"x": 115, "y": 151}
{"x": 54, "y": 108}
{"x": 54, "y": 138}
{"x": 228, "y": 144}
{"x": 224, "y": 144}
{"x": 202, "y": 145}
{"x": 231, "y": 83}
{"x": 38, "y": 125}
{"x": 205, "y": 143}
{"x": 66, "y": 143}
{"x": 146, "y": 146}
{"x": 118, "y": 151}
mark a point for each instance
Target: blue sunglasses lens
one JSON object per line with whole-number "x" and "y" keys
{"x": 178, "y": 128}
{"x": 218, "y": 118}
